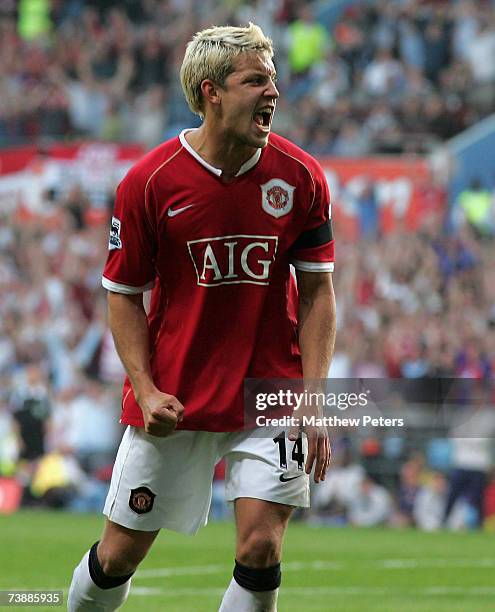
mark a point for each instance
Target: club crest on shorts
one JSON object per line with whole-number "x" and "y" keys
{"x": 141, "y": 500}
{"x": 277, "y": 197}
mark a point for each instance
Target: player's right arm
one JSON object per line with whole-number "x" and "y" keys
{"x": 129, "y": 272}
{"x": 129, "y": 325}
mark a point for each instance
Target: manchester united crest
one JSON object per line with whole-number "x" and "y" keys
{"x": 277, "y": 197}
{"x": 141, "y": 500}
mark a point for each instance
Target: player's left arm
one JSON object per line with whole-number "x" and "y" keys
{"x": 317, "y": 326}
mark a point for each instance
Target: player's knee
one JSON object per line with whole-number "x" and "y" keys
{"x": 259, "y": 549}
{"x": 117, "y": 566}
{"x": 119, "y": 562}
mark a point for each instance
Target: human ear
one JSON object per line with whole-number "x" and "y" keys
{"x": 211, "y": 92}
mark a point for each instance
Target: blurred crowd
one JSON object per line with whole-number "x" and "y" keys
{"x": 412, "y": 305}
{"x": 386, "y": 76}
{"x": 453, "y": 488}
{"x": 60, "y": 377}
{"x": 417, "y": 304}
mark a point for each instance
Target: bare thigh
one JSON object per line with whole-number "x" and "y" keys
{"x": 261, "y": 527}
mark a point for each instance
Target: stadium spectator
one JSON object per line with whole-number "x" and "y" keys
{"x": 472, "y": 459}
{"x": 370, "y": 505}
{"x": 308, "y": 41}
{"x": 383, "y": 76}
{"x": 475, "y": 205}
{"x": 481, "y": 59}
{"x": 34, "y": 19}
{"x": 408, "y": 490}
{"x": 332, "y": 76}
{"x": 368, "y": 210}
{"x": 95, "y": 422}
{"x": 465, "y": 28}
{"x": 436, "y": 45}
{"x": 62, "y": 428}
{"x": 150, "y": 113}
{"x": 352, "y": 141}
{"x": 56, "y": 480}
{"x": 31, "y": 409}
{"x": 332, "y": 500}
{"x": 429, "y": 503}
{"x": 151, "y": 58}
{"x": 412, "y": 48}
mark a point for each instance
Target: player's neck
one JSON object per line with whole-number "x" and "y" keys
{"x": 219, "y": 151}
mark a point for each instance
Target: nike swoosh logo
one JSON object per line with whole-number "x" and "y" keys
{"x": 285, "y": 479}
{"x": 177, "y": 211}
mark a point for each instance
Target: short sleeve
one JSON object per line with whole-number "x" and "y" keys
{"x": 131, "y": 246}
{"x": 313, "y": 251}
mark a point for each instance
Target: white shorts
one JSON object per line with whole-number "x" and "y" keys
{"x": 166, "y": 482}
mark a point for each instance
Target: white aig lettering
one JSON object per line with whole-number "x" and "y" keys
{"x": 233, "y": 259}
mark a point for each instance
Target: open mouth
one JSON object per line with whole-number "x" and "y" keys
{"x": 263, "y": 118}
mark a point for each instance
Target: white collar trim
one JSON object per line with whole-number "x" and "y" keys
{"x": 252, "y": 161}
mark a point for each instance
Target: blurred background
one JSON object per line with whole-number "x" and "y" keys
{"x": 395, "y": 98}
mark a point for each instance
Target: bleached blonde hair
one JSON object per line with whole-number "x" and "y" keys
{"x": 211, "y": 54}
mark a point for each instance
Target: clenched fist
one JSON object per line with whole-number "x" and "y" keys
{"x": 161, "y": 412}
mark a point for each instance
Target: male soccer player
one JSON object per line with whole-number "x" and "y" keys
{"x": 211, "y": 220}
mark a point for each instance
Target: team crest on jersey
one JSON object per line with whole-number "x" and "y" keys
{"x": 114, "y": 241}
{"x": 277, "y": 197}
{"x": 141, "y": 500}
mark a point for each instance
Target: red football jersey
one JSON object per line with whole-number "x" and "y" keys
{"x": 223, "y": 305}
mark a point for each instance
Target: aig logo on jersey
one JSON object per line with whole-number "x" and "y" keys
{"x": 277, "y": 197}
{"x": 230, "y": 260}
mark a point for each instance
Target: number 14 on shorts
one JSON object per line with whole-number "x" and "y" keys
{"x": 297, "y": 450}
